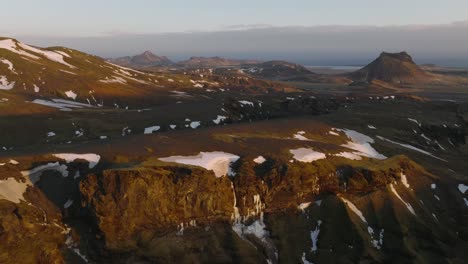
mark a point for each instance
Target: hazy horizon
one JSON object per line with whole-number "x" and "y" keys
{"x": 306, "y": 32}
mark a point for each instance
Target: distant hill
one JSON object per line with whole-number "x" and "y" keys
{"x": 145, "y": 59}
{"x": 206, "y": 62}
{"x": 279, "y": 69}
{"x": 392, "y": 68}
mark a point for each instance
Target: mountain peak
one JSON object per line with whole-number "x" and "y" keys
{"x": 147, "y": 58}
{"x": 394, "y": 68}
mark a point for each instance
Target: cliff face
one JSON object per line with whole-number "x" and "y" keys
{"x": 135, "y": 206}
{"x": 130, "y": 202}
{"x": 31, "y": 233}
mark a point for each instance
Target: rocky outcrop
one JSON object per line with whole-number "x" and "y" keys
{"x": 135, "y": 206}
{"x": 23, "y": 223}
{"x": 130, "y": 204}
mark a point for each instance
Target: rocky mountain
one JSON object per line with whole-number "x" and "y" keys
{"x": 392, "y": 68}
{"x": 146, "y": 59}
{"x": 42, "y": 79}
{"x": 213, "y": 62}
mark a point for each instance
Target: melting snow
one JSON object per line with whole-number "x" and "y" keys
{"x": 371, "y": 127}
{"x": 408, "y": 206}
{"x": 314, "y": 236}
{"x": 68, "y": 204}
{"x": 300, "y": 136}
{"x": 71, "y": 94}
{"x": 414, "y": 121}
{"x": 303, "y": 206}
{"x": 115, "y": 79}
{"x": 219, "y": 119}
{"x": 433, "y": 186}
{"x": 12, "y": 190}
{"x": 218, "y": 162}
{"x": 10, "y": 45}
{"x": 349, "y": 155}
{"x": 361, "y": 143}
{"x": 354, "y": 209}
{"x": 304, "y": 260}
{"x": 404, "y": 180}
{"x": 93, "y": 159}
{"x": 244, "y": 102}
{"x": 195, "y": 124}
{"x": 53, "y": 56}
{"x": 36, "y": 88}
{"x": 63, "y": 105}
{"x": 150, "y": 130}
{"x": 462, "y": 188}
{"x": 50, "y": 134}
{"x": 5, "y": 85}
{"x": 36, "y": 173}
{"x": 9, "y": 64}
{"x": 410, "y": 147}
{"x": 259, "y": 160}
{"x": 306, "y": 155}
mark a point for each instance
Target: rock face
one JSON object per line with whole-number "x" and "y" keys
{"x": 137, "y": 206}
{"x": 31, "y": 234}
{"x": 129, "y": 203}
{"x": 393, "y": 68}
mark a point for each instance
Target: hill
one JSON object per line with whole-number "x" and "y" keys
{"x": 398, "y": 70}
{"x": 393, "y": 68}
{"x": 207, "y": 62}
{"x": 145, "y": 59}
{"x": 31, "y": 78}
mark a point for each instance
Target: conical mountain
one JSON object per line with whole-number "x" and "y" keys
{"x": 393, "y": 68}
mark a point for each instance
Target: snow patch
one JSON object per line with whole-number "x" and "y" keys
{"x": 259, "y": 160}
{"x": 195, "y": 124}
{"x": 9, "y": 64}
{"x": 410, "y": 147}
{"x": 71, "y": 94}
{"x": 5, "y": 85}
{"x": 314, "y": 234}
{"x": 35, "y": 174}
{"x": 244, "y": 102}
{"x": 307, "y": 155}
{"x": 92, "y": 159}
{"x": 462, "y": 188}
{"x": 408, "y": 206}
{"x": 219, "y": 119}
{"x": 216, "y": 161}
{"x": 304, "y": 206}
{"x": 150, "y": 130}
{"x": 12, "y": 190}
{"x": 361, "y": 144}
{"x": 404, "y": 180}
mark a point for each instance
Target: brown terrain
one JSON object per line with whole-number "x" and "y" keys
{"x": 229, "y": 164}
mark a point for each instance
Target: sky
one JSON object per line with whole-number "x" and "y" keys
{"x": 104, "y": 17}
{"x": 305, "y": 31}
